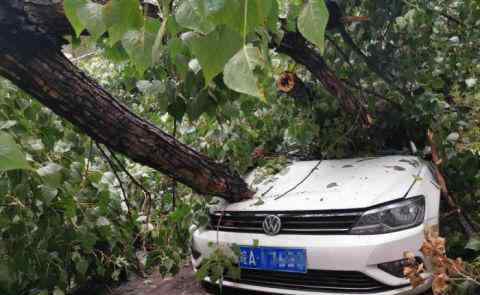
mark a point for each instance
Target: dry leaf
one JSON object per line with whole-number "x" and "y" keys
{"x": 440, "y": 283}
{"x": 456, "y": 266}
{"x": 427, "y": 248}
{"x": 416, "y": 281}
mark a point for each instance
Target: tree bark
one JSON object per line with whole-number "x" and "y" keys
{"x": 295, "y": 46}
{"x": 30, "y": 57}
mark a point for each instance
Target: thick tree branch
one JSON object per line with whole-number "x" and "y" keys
{"x": 295, "y": 46}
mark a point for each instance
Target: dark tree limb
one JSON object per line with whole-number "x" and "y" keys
{"x": 295, "y": 46}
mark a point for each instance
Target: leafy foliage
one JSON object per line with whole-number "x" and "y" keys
{"x": 11, "y": 157}
{"x": 218, "y": 265}
{"x": 312, "y": 22}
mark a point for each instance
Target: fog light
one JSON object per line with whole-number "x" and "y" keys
{"x": 395, "y": 268}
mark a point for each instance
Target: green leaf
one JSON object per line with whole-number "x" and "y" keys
{"x": 191, "y": 14}
{"x": 116, "y": 53}
{"x": 215, "y": 49}
{"x": 202, "y": 103}
{"x": 273, "y": 17}
{"x": 176, "y": 47}
{"x": 473, "y": 244}
{"x": 152, "y": 88}
{"x": 91, "y": 16}
{"x": 258, "y": 202}
{"x": 239, "y": 74}
{"x": 258, "y": 12}
{"x": 120, "y": 17}
{"x": 48, "y": 193}
{"x": 7, "y": 124}
{"x": 11, "y": 156}
{"x": 71, "y": 7}
{"x": 224, "y": 12}
{"x": 58, "y": 291}
{"x": 312, "y": 22}
{"x": 177, "y": 109}
{"x": 232, "y": 13}
{"x": 139, "y": 43}
{"x": 51, "y": 173}
{"x": 81, "y": 265}
{"x": 5, "y": 274}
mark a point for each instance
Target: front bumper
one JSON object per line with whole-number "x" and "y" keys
{"x": 269, "y": 290}
{"x": 359, "y": 253}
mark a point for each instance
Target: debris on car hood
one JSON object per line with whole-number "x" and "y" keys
{"x": 333, "y": 184}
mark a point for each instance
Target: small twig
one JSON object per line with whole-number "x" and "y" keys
{"x": 449, "y": 214}
{"x": 301, "y": 181}
{"x": 355, "y": 84}
{"x": 114, "y": 170}
{"x": 386, "y": 77}
{"x": 87, "y": 168}
{"x": 124, "y": 169}
{"x": 374, "y": 93}
{"x": 451, "y": 18}
{"x": 174, "y": 187}
{"x": 77, "y": 59}
{"x": 339, "y": 49}
{"x": 147, "y": 193}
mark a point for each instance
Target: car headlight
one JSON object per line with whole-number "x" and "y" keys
{"x": 393, "y": 217}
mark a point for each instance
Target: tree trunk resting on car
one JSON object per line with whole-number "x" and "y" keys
{"x": 31, "y": 35}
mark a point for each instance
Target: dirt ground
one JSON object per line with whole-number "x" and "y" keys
{"x": 182, "y": 284}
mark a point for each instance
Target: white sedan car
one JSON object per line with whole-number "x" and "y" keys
{"x": 328, "y": 227}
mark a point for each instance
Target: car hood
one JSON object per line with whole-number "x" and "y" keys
{"x": 332, "y": 184}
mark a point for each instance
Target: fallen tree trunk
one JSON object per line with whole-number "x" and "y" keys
{"x": 31, "y": 33}
{"x": 31, "y": 58}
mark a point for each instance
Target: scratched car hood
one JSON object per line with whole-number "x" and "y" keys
{"x": 332, "y": 184}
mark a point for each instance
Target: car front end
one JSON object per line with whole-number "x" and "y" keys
{"x": 336, "y": 232}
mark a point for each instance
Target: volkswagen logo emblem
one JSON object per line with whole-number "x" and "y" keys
{"x": 272, "y": 225}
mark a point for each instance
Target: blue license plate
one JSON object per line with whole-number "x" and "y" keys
{"x": 275, "y": 259}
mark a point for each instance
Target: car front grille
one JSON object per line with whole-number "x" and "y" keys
{"x": 343, "y": 282}
{"x": 293, "y": 222}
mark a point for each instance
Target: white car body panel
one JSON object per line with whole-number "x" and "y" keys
{"x": 360, "y": 183}
{"x": 335, "y": 184}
